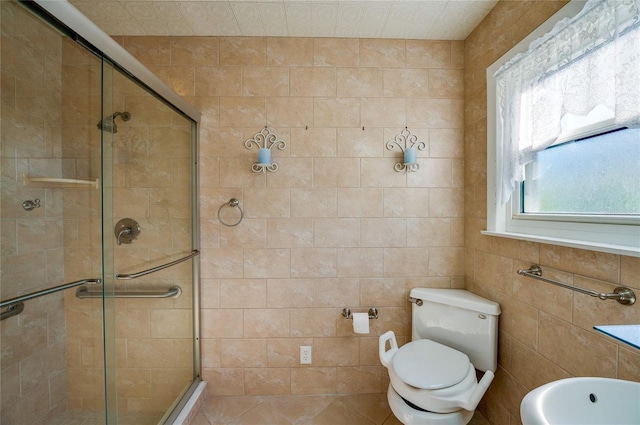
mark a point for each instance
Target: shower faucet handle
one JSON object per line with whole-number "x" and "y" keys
{"x": 126, "y": 231}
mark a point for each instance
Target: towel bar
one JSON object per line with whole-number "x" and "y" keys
{"x": 621, "y": 294}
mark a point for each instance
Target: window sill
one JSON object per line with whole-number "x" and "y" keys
{"x": 591, "y": 246}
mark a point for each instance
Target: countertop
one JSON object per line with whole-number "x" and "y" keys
{"x": 625, "y": 333}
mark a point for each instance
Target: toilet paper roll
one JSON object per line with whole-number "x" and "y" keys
{"x": 361, "y": 323}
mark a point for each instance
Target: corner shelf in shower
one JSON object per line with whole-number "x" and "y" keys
{"x": 32, "y": 179}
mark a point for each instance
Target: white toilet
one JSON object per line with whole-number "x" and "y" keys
{"x": 433, "y": 377}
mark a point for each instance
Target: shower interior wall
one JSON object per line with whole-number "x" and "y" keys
{"x": 51, "y": 102}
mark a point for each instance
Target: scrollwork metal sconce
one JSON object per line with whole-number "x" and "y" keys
{"x": 408, "y": 144}
{"x": 265, "y": 140}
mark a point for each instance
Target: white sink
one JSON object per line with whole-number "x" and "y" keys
{"x": 583, "y": 401}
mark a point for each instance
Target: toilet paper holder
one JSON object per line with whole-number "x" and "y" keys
{"x": 373, "y": 313}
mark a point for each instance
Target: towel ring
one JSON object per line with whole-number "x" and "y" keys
{"x": 233, "y": 203}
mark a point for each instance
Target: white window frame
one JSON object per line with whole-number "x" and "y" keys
{"x": 596, "y": 233}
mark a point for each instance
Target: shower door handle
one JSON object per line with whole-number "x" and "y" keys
{"x": 120, "y": 276}
{"x": 15, "y": 305}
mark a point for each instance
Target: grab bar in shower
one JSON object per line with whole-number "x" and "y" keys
{"x": 15, "y": 305}
{"x": 173, "y": 292}
{"x": 621, "y": 294}
{"x": 156, "y": 269}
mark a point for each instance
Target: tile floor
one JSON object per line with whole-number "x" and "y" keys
{"x": 362, "y": 409}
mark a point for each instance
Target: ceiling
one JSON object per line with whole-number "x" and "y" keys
{"x": 428, "y": 19}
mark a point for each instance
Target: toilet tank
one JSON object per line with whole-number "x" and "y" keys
{"x": 458, "y": 319}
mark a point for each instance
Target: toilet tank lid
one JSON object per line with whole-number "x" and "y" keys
{"x": 458, "y": 298}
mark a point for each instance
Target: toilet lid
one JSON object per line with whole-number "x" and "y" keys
{"x": 429, "y": 365}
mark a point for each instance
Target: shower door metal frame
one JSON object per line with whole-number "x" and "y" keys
{"x": 181, "y": 401}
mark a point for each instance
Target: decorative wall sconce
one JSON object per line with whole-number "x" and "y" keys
{"x": 409, "y": 145}
{"x": 265, "y": 140}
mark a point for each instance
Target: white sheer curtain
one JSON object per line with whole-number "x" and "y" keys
{"x": 588, "y": 60}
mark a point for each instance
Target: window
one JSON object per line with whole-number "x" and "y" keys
{"x": 595, "y": 176}
{"x": 564, "y": 131}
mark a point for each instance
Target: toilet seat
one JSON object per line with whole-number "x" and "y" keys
{"x": 444, "y": 400}
{"x": 428, "y": 365}
{"x": 464, "y": 394}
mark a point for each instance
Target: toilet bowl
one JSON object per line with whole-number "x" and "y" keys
{"x": 433, "y": 378}
{"x": 411, "y": 416}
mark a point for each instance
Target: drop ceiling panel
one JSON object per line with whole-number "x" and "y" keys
{"x": 429, "y": 19}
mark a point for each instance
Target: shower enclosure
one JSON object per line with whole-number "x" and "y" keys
{"x": 98, "y": 218}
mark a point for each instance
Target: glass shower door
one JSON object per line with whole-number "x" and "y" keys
{"x": 149, "y": 241}
{"x": 83, "y": 147}
{"x": 51, "y": 371}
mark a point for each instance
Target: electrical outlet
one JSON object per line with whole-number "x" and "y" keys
{"x": 305, "y": 354}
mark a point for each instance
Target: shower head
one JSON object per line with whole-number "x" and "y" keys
{"x": 108, "y": 123}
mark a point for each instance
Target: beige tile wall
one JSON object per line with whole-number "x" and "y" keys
{"x": 545, "y": 331}
{"x": 336, "y": 226}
